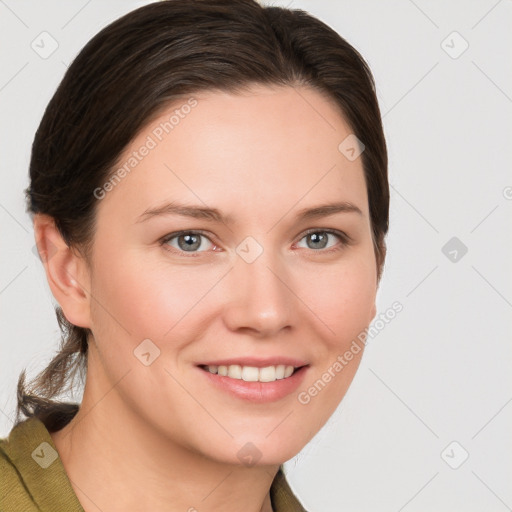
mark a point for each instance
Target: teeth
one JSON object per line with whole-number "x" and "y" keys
{"x": 268, "y": 374}
{"x": 252, "y": 373}
{"x": 235, "y": 371}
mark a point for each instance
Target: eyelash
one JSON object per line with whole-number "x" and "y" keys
{"x": 344, "y": 238}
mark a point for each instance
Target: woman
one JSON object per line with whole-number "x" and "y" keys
{"x": 210, "y": 202}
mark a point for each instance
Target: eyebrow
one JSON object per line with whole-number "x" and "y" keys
{"x": 214, "y": 215}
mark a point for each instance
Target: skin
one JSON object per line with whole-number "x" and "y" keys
{"x": 163, "y": 438}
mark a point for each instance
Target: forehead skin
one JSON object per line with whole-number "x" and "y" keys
{"x": 257, "y": 156}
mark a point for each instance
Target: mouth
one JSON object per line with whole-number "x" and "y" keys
{"x": 269, "y": 373}
{"x": 255, "y": 384}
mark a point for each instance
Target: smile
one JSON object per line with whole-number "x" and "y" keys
{"x": 256, "y": 384}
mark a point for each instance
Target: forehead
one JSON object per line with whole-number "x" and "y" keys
{"x": 265, "y": 148}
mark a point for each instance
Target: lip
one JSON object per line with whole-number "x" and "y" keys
{"x": 258, "y": 362}
{"x": 256, "y": 392}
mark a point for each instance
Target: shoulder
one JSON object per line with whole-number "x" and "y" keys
{"x": 14, "y": 495}
{"x": 32, "y": 477}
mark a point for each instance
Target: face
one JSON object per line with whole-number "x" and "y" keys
{"x": 234, "y": 273}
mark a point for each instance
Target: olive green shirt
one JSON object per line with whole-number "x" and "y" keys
{"x": 33, "y": 478}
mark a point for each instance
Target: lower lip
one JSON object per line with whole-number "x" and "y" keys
{"x": 258, "y": 392}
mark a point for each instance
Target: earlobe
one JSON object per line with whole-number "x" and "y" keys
{"x": 66, "y": 271}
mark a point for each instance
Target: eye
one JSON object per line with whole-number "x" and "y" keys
{"x": 193, "y": 242}
{"x": 318, "y": 239}
{"x": 186, "y": 241}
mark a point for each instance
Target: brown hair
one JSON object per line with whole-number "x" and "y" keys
{"x": 129, "y": 72}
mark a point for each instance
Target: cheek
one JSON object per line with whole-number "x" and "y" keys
{"x": 342, "y": 300}
{"x": 342, "y": 297}
{"x": 148, "y": 297}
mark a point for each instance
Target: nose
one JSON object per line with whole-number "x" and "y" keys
{"x": 260, "y": 298}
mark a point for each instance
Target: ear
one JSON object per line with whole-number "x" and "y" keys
{"x": 66, "y": 271}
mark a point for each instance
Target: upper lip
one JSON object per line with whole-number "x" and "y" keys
{"x": 258, "y": 362}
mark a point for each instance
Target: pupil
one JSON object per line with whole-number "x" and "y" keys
{"x": 191, "y": 241}
{"x": 316, "y": 238}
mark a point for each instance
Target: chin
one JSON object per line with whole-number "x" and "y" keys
{"x": 258, "y": 450}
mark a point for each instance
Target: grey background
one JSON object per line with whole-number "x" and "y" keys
{"x": 440, "y": 371}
